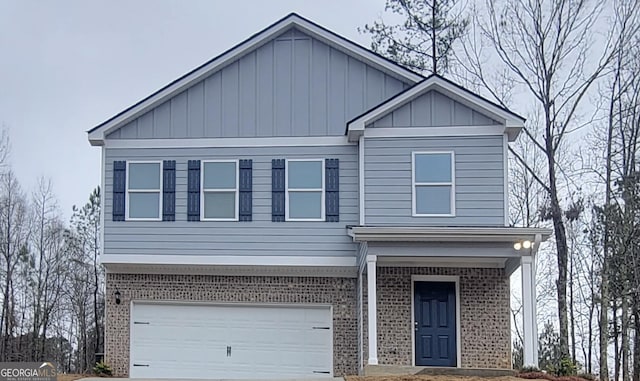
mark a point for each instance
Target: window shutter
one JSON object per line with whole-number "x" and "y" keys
{"x": 119, "y": 189}
{"x": 169, "y": 190}
{"x": 193, "y": 191}
{"x": 277, "y": 190}
{"x": 332, "y": 190}
{"x": 245, "y": 189}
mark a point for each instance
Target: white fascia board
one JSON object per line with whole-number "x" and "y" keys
{"x": 511, "y": 122}
{"x": 302, "y": 141}
{"x": 229, "y": 260}
{"x": 97, "y": 136}
{"x": 445, "y": 234}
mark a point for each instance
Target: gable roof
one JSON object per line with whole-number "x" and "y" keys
{"x": 98, "y": 133}
{"x": 513, "y": 122}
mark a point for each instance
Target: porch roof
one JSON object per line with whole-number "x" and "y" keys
{"x": 446, "y": 234}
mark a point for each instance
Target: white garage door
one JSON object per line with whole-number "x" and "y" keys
{"x": 230, "y": 341}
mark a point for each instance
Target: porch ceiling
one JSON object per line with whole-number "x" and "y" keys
{"x": 445, "y": 234}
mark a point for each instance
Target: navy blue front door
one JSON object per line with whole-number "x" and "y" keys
{"x": 435, "y": 323}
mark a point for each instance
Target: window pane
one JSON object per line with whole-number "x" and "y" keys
{"x": 433, "y": 199}
{"x": 220, "y": 175}
{"x": 433, "y": 168}
{"x": 144, "y": 205}
{"x": 144, "y": 175}
{"x": 305, "y": 205}
{"x": 305, "y": 174}
{"x": 220, "y": 205}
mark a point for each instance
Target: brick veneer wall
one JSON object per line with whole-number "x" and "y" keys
{"x": 484, "y": 308}
{"x": 339, "y": 292}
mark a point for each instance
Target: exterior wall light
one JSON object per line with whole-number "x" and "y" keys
{"x": 524, "y": 244}
{"x": 117, "y": 296}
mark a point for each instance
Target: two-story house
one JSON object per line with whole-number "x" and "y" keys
{"x": 300, "y": 206}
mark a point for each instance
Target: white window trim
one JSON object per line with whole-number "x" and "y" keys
{"x": 322, "y": 190}
{"x": 203, "y": 190}
{"x": 128, "y": 191}
{"x": 451, "y": 183}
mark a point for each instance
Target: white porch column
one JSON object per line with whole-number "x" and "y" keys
{"x": 530, "y": 336}
{"x": 372, "y": 321}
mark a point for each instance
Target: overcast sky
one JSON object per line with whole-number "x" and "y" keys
{"x": 66, "y": 66}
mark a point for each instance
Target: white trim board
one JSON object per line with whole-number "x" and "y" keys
{"x": 436, "y": 278}
{"x": 98, "y": 134}
{"x": 287, "y": 141}
{"x": 229, "y": 260}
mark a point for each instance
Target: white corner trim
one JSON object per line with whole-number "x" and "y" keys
{"x": 452, "y": 183}
{"x": 437, "y": 278}
{"x": 103, "y": 168}
{"x": 505, "y": 168}
{"x": 229, "y": 260}
{"x": 296, "y": 141}
{"x": 361, "y": 187}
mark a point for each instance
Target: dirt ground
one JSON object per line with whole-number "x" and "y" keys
{"x": 429, "y": 378}
{"x": 72, "y": 376}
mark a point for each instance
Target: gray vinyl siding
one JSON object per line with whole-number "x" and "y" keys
{"x": 433, "y": 109}
{"x": 258, "y": 237}
{"x": 293, "y": 85}
{"x": 479, "y": 180}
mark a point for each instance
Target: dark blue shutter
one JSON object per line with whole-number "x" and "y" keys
{"x": 193, "y": 191}
{"x": 169, "y": 190}
{"x": 277, "y": 190}
{"x": 119, "y": 189}
{"x": 245, "y": 189}
{"x": 332, "y": 190}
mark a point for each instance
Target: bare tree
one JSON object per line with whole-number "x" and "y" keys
{"x": 548, "y": 47}
{"x": 425, "y": 40}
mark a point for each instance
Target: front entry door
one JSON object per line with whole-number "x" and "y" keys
{"x": 435, "y": 323}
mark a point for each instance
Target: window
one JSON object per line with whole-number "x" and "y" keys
{"x": 144, "y": 201}
{"x": 305, "y": 190}
{"x": 219, "y": 191}
{"x": 433, "y": 184}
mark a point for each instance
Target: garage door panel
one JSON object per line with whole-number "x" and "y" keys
{"x": 190, "y": 341}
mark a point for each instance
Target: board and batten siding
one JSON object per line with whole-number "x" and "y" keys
{"x": 293, "y": 85}
{"x": 433, "y": 109}
{"x": 258, "y": 237}
{"x": 479, "y": 180}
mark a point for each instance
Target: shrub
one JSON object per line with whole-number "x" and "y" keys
{"x": 529, "y": 369}
{"x": 102, "y": 369}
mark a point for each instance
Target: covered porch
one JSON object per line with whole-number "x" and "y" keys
{"x": 435, "y": 297}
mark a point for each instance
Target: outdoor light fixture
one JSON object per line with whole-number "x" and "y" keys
{"x": 117, "y": 295}
{"x": 524, "y": 244}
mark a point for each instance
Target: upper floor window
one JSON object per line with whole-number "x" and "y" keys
{"x": 433, "y": 192}
{"x": 219, "y": 190}
{"x": 305, "y": 190}
{"x": 144, "y": 188}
